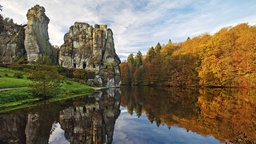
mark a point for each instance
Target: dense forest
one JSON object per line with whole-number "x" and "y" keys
{"x": 225, "y": 59}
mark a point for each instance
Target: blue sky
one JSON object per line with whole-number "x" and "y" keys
{"x": 138, "y": 24}
{"x": 131, "y": 129}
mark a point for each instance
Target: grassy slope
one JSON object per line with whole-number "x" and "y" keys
{"x": 7, "y": 79}
{"x": 21, "y": 97}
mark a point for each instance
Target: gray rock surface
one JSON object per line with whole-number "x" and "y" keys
{"x": 91, "y": 48}
{"x": 36, "y": 34}
{"x": 11, "y": 42}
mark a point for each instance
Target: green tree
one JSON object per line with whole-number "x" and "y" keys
{"x": 46, "y": 82}
{"x": 44, "y": 60}
{"x": 138, "y": 59}
{"x": 130, "y": 59}
{"x": 151, "y": 54}
{"x": 130, "y": 63}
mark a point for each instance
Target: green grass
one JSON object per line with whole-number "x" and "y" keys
{"x": 21, "y": 97}
{"x": 8, "y": 80}
{"x": 14, "y": 95}
{"x": 72, "y": 88}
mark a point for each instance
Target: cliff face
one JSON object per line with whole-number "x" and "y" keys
{"x": 85, "y": 47}
{"x": 91, "y": 48}
{"x": 36, "y": 34}
{"x": 11, "y": 42}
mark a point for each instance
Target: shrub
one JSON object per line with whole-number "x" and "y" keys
{"x": 22, "y": 60}
{"x": 6, "y": 75}
{"x": 79, "y": 74}
{"x": 18, "y": 75}
{"x": 15, "y": 66}
{"x": 44, "y": 60}
{"x": 67, "y": 72}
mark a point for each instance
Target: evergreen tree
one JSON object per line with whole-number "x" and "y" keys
{"x": 151, "y": 54}
{"x": 138, "y": 59}
{"x": 158, "y": 49}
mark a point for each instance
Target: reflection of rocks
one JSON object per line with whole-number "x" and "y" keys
{"x": 24, "y": 128}
{"x": 90, "y": 120}
{"x": 92, "y": 123}
{"x": 12, "y": 129}
{"x": 110, "y": 105}
{"x": 32, "y": 128}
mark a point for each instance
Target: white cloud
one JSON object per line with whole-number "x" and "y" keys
{"x": 138, "y": 24}
{"x": 57, "y": 135}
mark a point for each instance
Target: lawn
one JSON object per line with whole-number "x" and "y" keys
{"x": 8, "y": 78}
{"x": 21, "y": 97}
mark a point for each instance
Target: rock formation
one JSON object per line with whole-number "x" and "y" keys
{"x": 91, "y": 48}
{"x": 11, "y": 42}
{"x": 85, "y": 47}
{"x": 36, "y": 34}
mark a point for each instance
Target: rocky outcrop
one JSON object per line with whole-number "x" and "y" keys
{"x": 36, "y": 34}
{"x": 91, "y": 48}
{"x": 85, "y": 47}
{"x": 11, "y": 42}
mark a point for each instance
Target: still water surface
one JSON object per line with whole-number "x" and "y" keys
{"x": 136, "y": 116}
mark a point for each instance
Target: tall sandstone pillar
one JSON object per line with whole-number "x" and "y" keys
{"x": 36, "y": 34}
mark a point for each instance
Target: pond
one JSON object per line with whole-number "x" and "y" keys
{"x": 137, "y": 115}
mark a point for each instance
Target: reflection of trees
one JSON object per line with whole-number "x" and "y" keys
{"x": 228, "y": 115}
{"x": 160, "y": 105}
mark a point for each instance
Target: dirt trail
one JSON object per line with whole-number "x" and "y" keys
{"x": 5, "y": 89}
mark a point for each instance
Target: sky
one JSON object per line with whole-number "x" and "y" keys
{"x": 138, "y": 24}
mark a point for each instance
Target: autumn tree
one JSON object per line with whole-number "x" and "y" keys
{"x": 225, "y": 59}
{"x": 158, "y": 49}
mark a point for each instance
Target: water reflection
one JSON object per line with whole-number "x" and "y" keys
{"x": 81, "y": 120}
{"x": 149, "y": 115}
{"x": 227, "y": 114}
